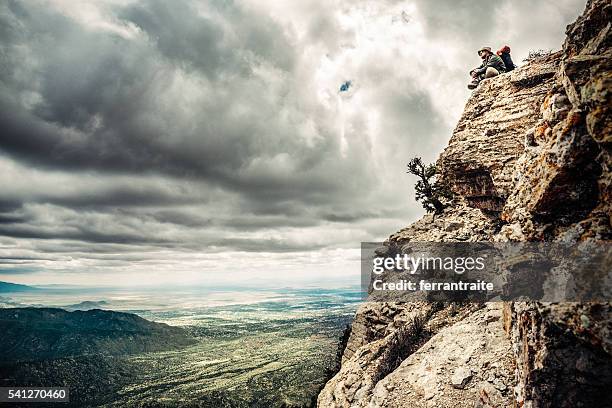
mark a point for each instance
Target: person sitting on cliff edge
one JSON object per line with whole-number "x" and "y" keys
{"x": 491, "y": 66}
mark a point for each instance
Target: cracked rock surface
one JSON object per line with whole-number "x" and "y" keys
{"x": 529, "y": 160}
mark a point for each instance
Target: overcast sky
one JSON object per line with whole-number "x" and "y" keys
{"x": 156, "y": 141}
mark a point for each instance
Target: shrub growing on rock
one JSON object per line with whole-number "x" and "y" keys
{"x": 536, "y": 54}
{"x": 432, "y": 193}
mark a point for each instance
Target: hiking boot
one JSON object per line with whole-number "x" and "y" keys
{"x": 473, "y": 84}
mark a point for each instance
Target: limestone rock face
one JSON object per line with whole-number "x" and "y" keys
{"x": 412, "y": 326}
{"x": 458, "y": 223}
{"x": 528, "y": 161}
{"x": 370, "y": 358}
{"x": 479, "y": 161}
{"x": 469, "y": 361}
{"x": 375, "y": 320}
{"x": 562, "y": 181}
{"x": 560, "y": 358}
{"x": 562, "y": 193}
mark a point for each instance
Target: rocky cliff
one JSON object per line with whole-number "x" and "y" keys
{"x": 528, "y": 161}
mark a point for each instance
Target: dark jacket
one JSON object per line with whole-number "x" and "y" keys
{"x": 505, "y": 56}
{"x": 492, "y": 61}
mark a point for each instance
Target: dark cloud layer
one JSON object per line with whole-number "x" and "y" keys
{"x": 175, "y": 129}
{"x": 111, "y": 104}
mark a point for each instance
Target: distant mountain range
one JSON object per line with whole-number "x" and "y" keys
{"x": 32, "y": 334}
{"x": 84, "y": 350}
{"x": 7, "y": 287}
{"x": 87, "y": 305}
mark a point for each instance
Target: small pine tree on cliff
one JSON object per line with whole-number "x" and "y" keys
{"x": 429, "y": 191}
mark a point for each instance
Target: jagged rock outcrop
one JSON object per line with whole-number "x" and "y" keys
{"x": 470, "y": 360}
{"x": 528, "y": 161}
{"x": 562, "y": 193}
{"x": 374, "y": 321}
{"x": 390, "y": 341}
{"x": 479, "y": 161}
{"x": 398, "y": 337}
{"x": 460, "y": 222}
{"x": 562, "y": 181}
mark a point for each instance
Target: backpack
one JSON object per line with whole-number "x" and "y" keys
{"x": 504, "y": 54}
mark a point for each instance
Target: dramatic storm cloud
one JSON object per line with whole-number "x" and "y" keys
{"x": 156, "y": 141}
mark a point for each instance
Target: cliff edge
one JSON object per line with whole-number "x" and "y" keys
{"x": 529, "y": 160}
